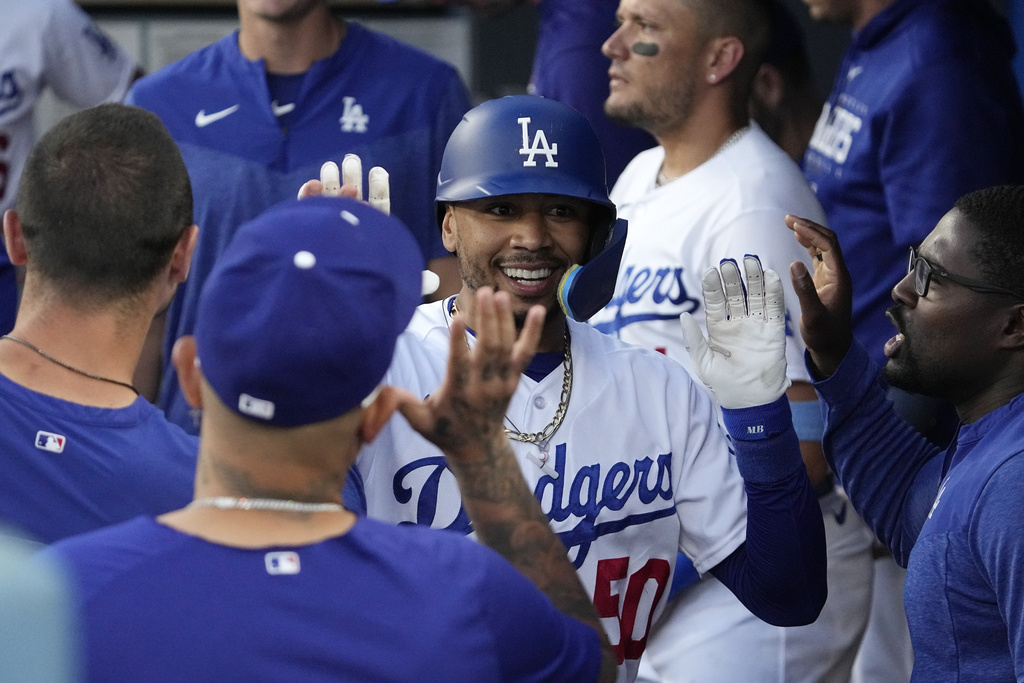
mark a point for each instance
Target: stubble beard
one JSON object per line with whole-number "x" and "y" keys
{"x": 666, "y": 110}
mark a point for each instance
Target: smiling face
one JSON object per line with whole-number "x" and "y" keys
{"x": 658, "y": 60}
{"x": 521, "y": 243}
{"x": 948, "y": 340}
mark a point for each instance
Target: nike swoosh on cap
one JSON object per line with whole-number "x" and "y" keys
{"x": 203, "y": 119}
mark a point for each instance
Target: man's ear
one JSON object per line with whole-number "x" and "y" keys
{"x": 724, "y": 55}
{"x": 448, "y": 228}
{"x": 768, "y": 86}
{"x": 1013, "y": 329}
{"x": 14, "y": 238}
{"x": 377, "y": 413}
{"x": 186, "y": 362}
{"x": 181, "y": 259}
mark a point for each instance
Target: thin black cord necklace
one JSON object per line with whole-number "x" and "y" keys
{"x": 66, "y": 366}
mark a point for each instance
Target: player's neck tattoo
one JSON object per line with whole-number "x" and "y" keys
{"x": 646, "y": 49}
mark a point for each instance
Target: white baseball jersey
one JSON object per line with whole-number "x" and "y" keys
{"x": 637, "y": 471}
{"x": 49, "y": 43}
{"x": 731, "y": 205}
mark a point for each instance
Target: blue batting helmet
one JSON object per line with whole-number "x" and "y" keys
{"x": 526, "y": 144}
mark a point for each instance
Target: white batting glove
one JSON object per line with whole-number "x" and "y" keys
{"x": 743, "y": 360}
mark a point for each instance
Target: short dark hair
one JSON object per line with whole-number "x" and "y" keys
{"x": 104, "y": 199}
{"x": 997, "y": 215}
{"x": 748, "y": 20}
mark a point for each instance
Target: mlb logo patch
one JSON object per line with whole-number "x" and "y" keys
{"x": 255, "y": 407}
{"x": 282, "y": 562}
{"x": 48, "y": 441}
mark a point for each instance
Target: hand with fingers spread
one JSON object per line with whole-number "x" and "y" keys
{"x": 465, "y": 415}
{"x": 826, "y": 298}
{"x": 743, "y": 359}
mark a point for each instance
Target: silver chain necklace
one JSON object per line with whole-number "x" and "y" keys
{"x": 543, "y": 436}
{"x": 276, "y": 504}
{"x": 68, "y": 367}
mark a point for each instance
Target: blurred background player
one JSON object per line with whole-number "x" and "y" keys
{"x": 46, "y": 44}
{"x": 521, "y": 200}
{"x": 266, "y": 568}
{"x": 718, "y": 187}
{"x": 924, "y": 109}
{"x": 104, "y": 230}
{"x": 256, "y": 113}
{"x": 784, "y": 99}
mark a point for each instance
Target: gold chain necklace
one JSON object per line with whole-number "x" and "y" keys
{"x": 69, "y": 367}
{"x": 543, "y": 436}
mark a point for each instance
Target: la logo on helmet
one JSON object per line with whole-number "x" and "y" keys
{"x": 540, "y": 146}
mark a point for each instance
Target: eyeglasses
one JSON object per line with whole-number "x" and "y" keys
{"x": 924, "y": 270}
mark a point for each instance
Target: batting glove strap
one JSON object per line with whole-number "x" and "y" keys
{"x": 765, "y": 443}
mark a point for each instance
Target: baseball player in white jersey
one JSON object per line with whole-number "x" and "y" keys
{"x": 620, "y": 446}
{"x": 46, "y": 43}
{"x": 717, "y": 187}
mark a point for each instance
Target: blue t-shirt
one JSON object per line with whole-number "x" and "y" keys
{"x": 924, "y": 109}
{"x": 954, "y": 519}
{"x": 568, "y": 66}
{"x": 379, "y": 603}
{"x": 391, "y": 104}
{"x": 70, "y": 468}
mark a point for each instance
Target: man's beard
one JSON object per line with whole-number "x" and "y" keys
{"x": 906, "y": 371}
{"x": 663, "y": 113}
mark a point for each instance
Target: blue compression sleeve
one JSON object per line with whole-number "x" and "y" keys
{"x": 779, "y": 571}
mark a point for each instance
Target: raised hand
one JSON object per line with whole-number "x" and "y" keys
{"x": 349, "y": 183}
{"x": 464, "y": 417}
{"x": 743, "y": 359}
{"x": 826, "y": 298}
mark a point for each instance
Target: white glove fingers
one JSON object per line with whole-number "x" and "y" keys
{"x": 775, "y": 300}
{"x": 735, "y": 297}
{"x": 714, "y": 297}
{"x": 352, "y": 173}
{"x": 329, "y": 179}
{"x": 755, "y": 286}
{"x": 379, "y": 190}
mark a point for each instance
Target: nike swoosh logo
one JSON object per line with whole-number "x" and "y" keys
{"x": 841, "y": 515}
{"x": 854, "y": 72}
{"x": 203, "y": 119}
{"x": 281, "y": 109}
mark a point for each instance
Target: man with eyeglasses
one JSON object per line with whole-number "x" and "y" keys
{"x": 954, "y": 518}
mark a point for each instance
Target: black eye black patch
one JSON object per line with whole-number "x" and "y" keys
{"x": 646, "y": 49}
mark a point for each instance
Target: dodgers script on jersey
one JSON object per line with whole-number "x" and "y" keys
{"x": 731, "y": 205}
{"x": 638, "y": 470}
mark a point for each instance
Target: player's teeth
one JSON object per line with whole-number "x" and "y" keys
{"x": 899, "y": 337}
{"x": 521, "y": 274}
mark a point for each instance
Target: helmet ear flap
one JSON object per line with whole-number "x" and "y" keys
{"x": 587, "y": 289}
